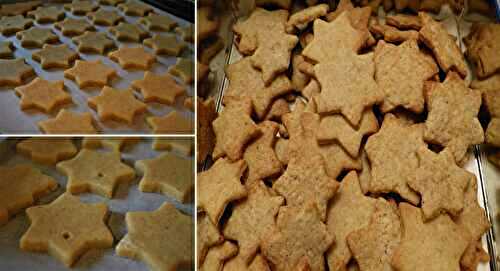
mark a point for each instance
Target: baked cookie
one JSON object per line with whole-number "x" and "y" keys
{"x": 184, "y": 69}
{"x": 171, "y": 123}
{"x": 36, "y": 37}
{"x": 55, "y": 56}
{"x": 43, "y": 95}
{"x": 205, "y": 134}
{"x": 158, "y": 88}
{"x": 73, "y": 27}
{"x": 14, "y": 72}
{"x": 68, "y": 122}
{"x": 207, "y": 236}
{"x": 128, "y": 32}
{"x": 218, "y": 255}
{"x": 43, "y": 15}
{"x": 90, "y": 73}
{"x": 81, "y": 7}
{"x": 133, "y": 58}
{"x": 165, "y": 45}
{"x": 12, "y": 24}
{"x": 135, "y": 8}
{"x": 300, "y": 20}
{"x": 155, "y": 22}
{"x": 482, "y": 47}
{"x": 117, "y": 104}
{"x": 93, "y": 42}
{"x": 104, "y": 17}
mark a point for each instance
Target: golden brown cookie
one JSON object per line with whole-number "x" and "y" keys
{"x": 218, "y": 255}
{"x": 168, "y": 174}
{"x": 482, "y": 47}
{"x": 404, "y": 21}
{"x": 20, "y": 186}
{"x": 133, "y": 58}
{"x": 68, "y": 122}
{"x": 135, "y": 8}
{"x": 73, "y": 27}
{"x": 128, "y": 32}
{"x": 43, "y": 15}
{"x": 158, "y": 88}
{"x": 14, "y": 72}
{"x": 47, "y": 150}
{"x": 165, "y": 45}
{"x": 205, "y": 136}
{"x": 184, "y": 69}
{"x": 117, "y": 104}
{"x": 36, "y": 37}
{"x": 392, "y": 34}
{"x": 302, "y": 18}
{"x": 207, "y": 236}
{"x": 43, "y": 95}
{"x": 186, "y": 32}
{"x": 93, "y": 42}
{"x": 90, "y": 73}
{"x": 206, "y": 23}
{"x": 183, "y": 146}
{"x": 155, "y": 22}
{"x": 116, "y": 144}
{"x": 279, "y": 108}
{"x": 6, "y": 49}
{"x": 81, "y": 227}
{"x": 12, "y": 24}
{"x": 491, "y": 97}
{"x": 104, "y": 17}
{"x": 237, "y": 263}
{"x": 81, "y": 7}
{"x": 55, "y": 56}
{"x": 171, "y": 123}
{"x": 96, "y": 172}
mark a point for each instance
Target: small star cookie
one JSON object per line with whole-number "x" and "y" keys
{"x": 168, "y": 174}
{"x": 135, "y": 8}
{"x": 222, "y": 178}
{"x": 186, "y": 32}
{"x": 96, "y": 172}
{"x": 47, "y": 150}
{"x": 6, "y": 49}
{"x": 20, "y": 186}
{"x": 165, "y": 45}
{"x": 93, "y": 42}
{"x": 183, "y": 146}
{"x": 404, "y": 21}
{"x": 90, "y": 73}
{"x": 171, "y": 123}
{"x": 14, "y": 72}
{"x": 12, "y": 24}
{"x": 158, "y": 88}
{"x": 155, "y": 22}
{"x": 67, "y": 122}
{"x": 43, "y": 95}
{"x": 36, "y": 37}
{"x": 104, "y": 17}
{"x": 55, "y": 56}
{"x": 133, "y": 58}
{"x": 78, "y": 7}
{"x": 116, "y": 104}
{"x": 184, "y": 69}
{"x": 73, "y": 27}
{"x": 80, "y": 227}
{"x": 173, "y": 235}
{"x": 43, "y": 15}
{"x": 128, "y": 32}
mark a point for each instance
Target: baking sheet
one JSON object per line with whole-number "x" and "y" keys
{"x": 16, "y": 121}
{"x": 127, "y": 198}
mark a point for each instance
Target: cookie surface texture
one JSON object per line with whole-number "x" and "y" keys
{"x": 43, "y": 95}
{"x": 55, "y": 56}
{"x": 158, "y": 88}
{"x": 68, "y": 122}
{"x": 47, "y": 150}
{"x": 116, "y": 104}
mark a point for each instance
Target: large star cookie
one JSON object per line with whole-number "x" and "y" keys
{"x": 93, "y": 42}
{"x": 171, "y": 123}
{"x": 218, "y": 255}
{"x": 90, "y": 73}
{"x": 55, "y": 56}
{"x": 47, "y": 150}
{"x": 94, "y": 171}
{"x": 14, "y": 72}
{"x": 43, "y": 15}
{"x": 20, "y": 8}
{"x": 73, "y": 27}
{"x": 128, "y": 32}
{"x": 79, "y": 227}
{"x": 20, "y": 186}
{"x": 182, "y": 146}
{"x": 12, "y": 24}
{"x": 68, "y": 122}
{"x": 155, "y": 22}
{"x": 172, "y": 232}
{"x": 135, "y": 8}
{"x": 158, "y": 88}
{"x": 104, "y": 17}
{"x": 116, "y": 104}
{"x": 43, "y": 95}
{"x": 133, "y": 58}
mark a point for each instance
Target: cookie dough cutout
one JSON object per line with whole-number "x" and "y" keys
{"x": 223, "y": 177}
{"x": 184, "y": 69}
{"x": 81, "y": 227}
{"x": 116, "y": 104}
{"x": 183, "y": 146}
{"x": 20, "y": 186}
{"x": 43, "y": 95}
{"x": 452, "y": 119}
{"x": 90, "y": 73}
{"x": 116, "y": 144}
{"x": 205, "y": 134}
{"x": 36, "y": 37}
{"x": 128, "y": 32}
{"x": 439, "y": 241}
{"x": 47, "y": 150}
{"x": 167, "y": 174}
{"x": 234, "y": 128}
{"x": 171, "y": 123}
{"x": 391, "y": 173}
{"x": 93, "y": 42}
{"x": 95, "y": 172}
{"x": 10, "y": 25}
{"x": 78, "y": 7}
{"x": 155, "y": 22}
{"x": 18, "y": 8}
{"x": 6, "y": 49}
{"x": 104, "y": 17}
{"x": 208, "y": 236}
{"x": 73, "y": 27}
{"x": 173, "y": 232}
{"x": 44, "y": 15}
{"x": 186, "y": 32}
{"x": 299, "y": 229}
{"x": 158, "y": 88}
{"x": 14, "y": 72}
{"x": 55, "y": 56}
{"x": 133, "y": 58}
{"x": 135, "y": 8}
{"x": 165, "y": 45}
{"x": 68, "y": 122}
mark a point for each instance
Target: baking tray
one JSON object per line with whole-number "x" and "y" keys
{"x": 127, "y": 198}
{"x": 475, "y": 162}
{"x": 16, "y": 121}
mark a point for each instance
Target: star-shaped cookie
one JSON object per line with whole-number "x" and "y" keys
{"x": 55, "y": 56}
{"x": 169, "y": 174}
{"x": 105, "y": 17}
{"x": 133, "y": 58}
{"x": 43, "y": 95}
{"x": 155, "y": 22}
{"x": 81, "y": 7}
{"x": 116, "y": 144}
{"x": 43, "y": 15}
{"x": 90, "y": 73}
{"x": 392, "y": 173}
{"x": 116, "y": 104}
{"x": 299, "y": 229}
{"x": 205, "y": 134}
{"x": 80, "y": 227}
{"x": 207, "y": 236}
{"x": 171, "y": 123}
{"x": 224, "y": 177}
{"x": 348, "y": 86}
{"x": 234, "y": 128}
{"x": 19, "y": 8}
{"x": 452, "y": 119}
{"x": 165, "y": 45}
{"x": 183, "y": 146}
{"x": 135, "y": 8}
{"x": 128, "y": 32}
{"x": 68, "y": 122}
{"x": 173, "y": 235}
{"x": 12, "y": 24}
{"x": 111, "y": 2}
{"x": 6, "y": 49}
{"x": 93, "y": 42}
{"x": 14, "y": 72}
{"x": 184, "y": 69}
{"x": 47, "y": 150}
{"x": 186, "y": 32}
{"x": 20, "y": 186}
{"x": 36, "y": 37}
{"x": 73, "y": 27}
{"x": 96, "y": 172}
{"x": 158, "y": 88}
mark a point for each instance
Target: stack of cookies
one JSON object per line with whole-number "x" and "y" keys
{"x": 343, "y": 141}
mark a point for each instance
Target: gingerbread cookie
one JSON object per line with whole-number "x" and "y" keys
{"x": 404, "y": 22}
{"x": 96, "y": 172}
{"x": 171, "y": 123}
{"x": 93, "y": 42}
{"x": 302, "y": 18}
{"x": 117, "y": 104}
{"x": 81, "y": 227}
{"x": 67, "y": 122}
{"x": 14, "y": 72}
{"x": 279, "y": 108}
{"x": 47, "y": 150}
{"x": 158, "y": 88}
{"x": 155, "y": 22}
{"x": 128, "y": 32}
{"x": 20, "y": 186}
{"x": 81, "y": 7}
{"x": 135, "y": 8}
{"x": 55, "y": 56}
{"x": 205, "y": 136}
{"x": 36, "y": 37}
{"x": 43, "y": 15}
{"x": 104, "y": 17}
{"x": 43, "y": 95}
{"x": 491, "y": 99}
{"x": 207, "y": 236}
{"x": 236, "y": 263}
{"x": 167, "y": 174}
{"x": 165, "y": 45}
{"x": 482, "y": 47}
{"x": 90, "y": 73}
{"x": 186, "y": 32}
{"x": 392, "y": 34}
{"x": 73, "y": 27}
{"x": 183, "y": 69}
{"x": 6, "y": 49}
{"x": 12, "y": 24}
{"x": 133, "y": 58}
